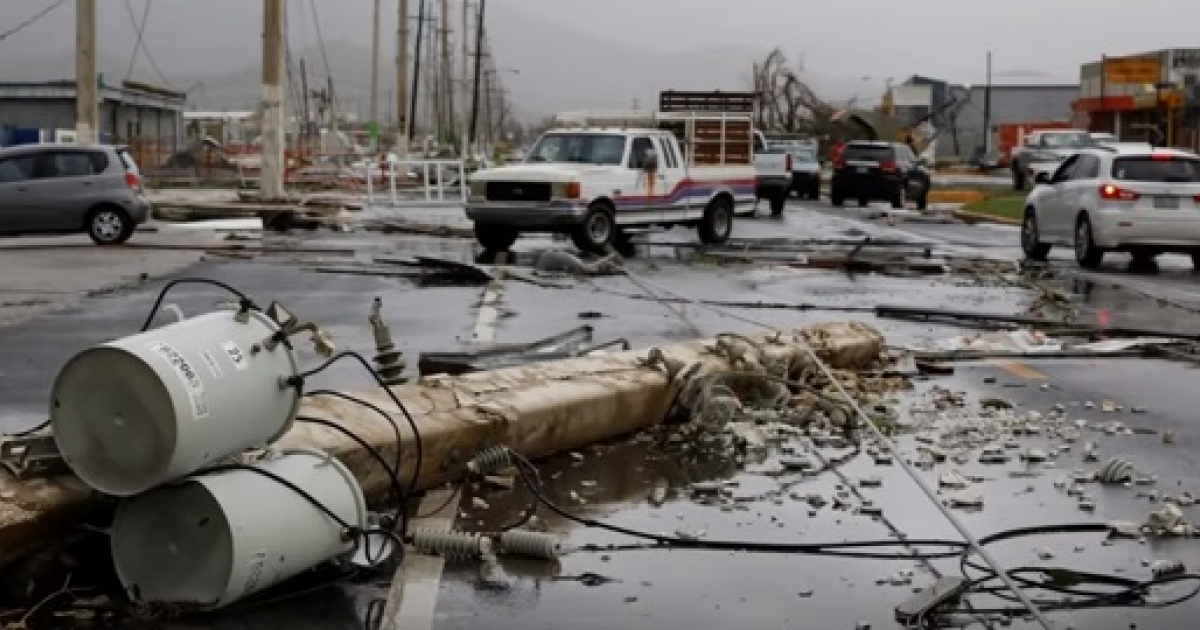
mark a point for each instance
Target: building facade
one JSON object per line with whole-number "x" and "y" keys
{"x": 136, "y": 114}
{"x": 958, "y": 111}
{"x": 1153, "y": 96}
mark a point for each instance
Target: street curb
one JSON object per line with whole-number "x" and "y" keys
{"x": 976, "y": 217}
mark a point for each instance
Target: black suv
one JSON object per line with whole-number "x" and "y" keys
{"x": 880, "y": 171}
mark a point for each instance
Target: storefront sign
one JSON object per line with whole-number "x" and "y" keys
{"x": 1132, "y": 70}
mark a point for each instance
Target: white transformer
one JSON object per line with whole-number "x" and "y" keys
{"x": 154, "y": 407}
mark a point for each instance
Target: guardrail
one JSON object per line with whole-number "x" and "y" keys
{"x": 440, "y": 182}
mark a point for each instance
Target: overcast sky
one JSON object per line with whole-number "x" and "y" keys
{"x": 1031, "y": 39}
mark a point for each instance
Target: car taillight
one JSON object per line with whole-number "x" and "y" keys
{"x": 574, "y": 190}
{"x": 887, "y": 166}
{"x": 132, "y": 180}
{"x": 1114, "y": 193}
{"x": 839, "y": 163}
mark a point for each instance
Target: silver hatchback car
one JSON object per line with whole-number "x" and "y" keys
{"x": 56, "y": 189}
{"x": 1134, "y": 199}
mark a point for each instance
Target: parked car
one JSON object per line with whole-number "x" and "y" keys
{"x": 1137, "y": 200}
{"x": 55, "y": 189}
{"x": 880, "y": 171}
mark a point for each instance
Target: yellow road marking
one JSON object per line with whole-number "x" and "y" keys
{"x": 1019, "y": 369}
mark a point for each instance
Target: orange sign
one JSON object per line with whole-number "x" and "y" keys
{"x": 1135, "y": 70}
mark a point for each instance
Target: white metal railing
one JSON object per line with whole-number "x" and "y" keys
{"x": 441, "y": 181}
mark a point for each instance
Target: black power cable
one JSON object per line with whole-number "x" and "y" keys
{"x": 369, "y": 405}
{"x": 245, "y": 303}
{"x": 298, "y": 381}
{"x": 397, "y": 491}
{"x": 527, "y": 472}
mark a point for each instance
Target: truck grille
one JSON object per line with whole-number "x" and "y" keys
{"x": 518, "y": 191}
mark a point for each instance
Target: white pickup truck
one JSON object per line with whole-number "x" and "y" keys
{"x": 595, "y": 177}
{"x": 773, "y": 173}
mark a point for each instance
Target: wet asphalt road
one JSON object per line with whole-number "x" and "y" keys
{"x": 688, "y": 589}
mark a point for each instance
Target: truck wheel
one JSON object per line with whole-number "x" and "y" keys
{"x": 1018, "y": 179}
{"x": 496, "y": 238}
{"x": 836, "y": 199}
{"x": 778, "y": 202}
{"x": 898, "y": 198}
{"x": 923, "y": 200}
{"x": 717, "y": 224}
{"x": 863, "y": 202}
{"x": 597, "y": 231}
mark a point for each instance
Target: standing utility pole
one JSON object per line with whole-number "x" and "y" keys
{"x": 305, "y": 113}
{"x": 86, "y": 107}
{"x": 416, "y": 82}
{"x": 465, "y": 30}
{"x": 478, "y": 71}
{"x": 271, "y": 179}
{"x": 1104, "y": 88}
{"x": 446, "y": 75}
{"x": 375, "y": 77}
{"x": 403, "y": 114}
{"x": 987, "y": 108}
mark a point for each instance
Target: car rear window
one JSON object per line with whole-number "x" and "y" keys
{"x": 867, "y": 152}
{"x": 1180, "y": 170}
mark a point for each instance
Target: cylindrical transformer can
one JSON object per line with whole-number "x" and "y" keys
{"x": 140, "y": 411}
{"x": 215, "y": 538}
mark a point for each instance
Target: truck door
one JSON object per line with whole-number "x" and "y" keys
{"x": 671, "y": 182}
{"x": 646, "y": 200}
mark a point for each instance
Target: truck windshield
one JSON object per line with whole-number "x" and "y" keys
{"x": 579, "y": 148}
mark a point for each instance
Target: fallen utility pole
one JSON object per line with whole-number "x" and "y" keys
{"x": 536, "y": 410}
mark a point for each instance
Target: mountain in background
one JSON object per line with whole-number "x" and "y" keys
{"x": 560, "y": 69}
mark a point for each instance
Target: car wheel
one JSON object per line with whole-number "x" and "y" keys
{"x": 923, "y": 201}
{"x": 496, "y": 238}
{"x": 1031, "y": 242}
{"x": 623, "y": 243}
{"x": 863, "y": 202}
{"x": 109, "y": 225}
{"x": 837, "y": 199}
{"x": 1018, "y": 179}
{"x": 898, "y": 198}
{"x": 814, "y": 193}
{"x": 597, "y": 230}
{"x": 717, "y": 224}
{"x": 1086, "y": 253}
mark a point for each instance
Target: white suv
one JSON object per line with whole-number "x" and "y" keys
{"x": 1139, "y": 200}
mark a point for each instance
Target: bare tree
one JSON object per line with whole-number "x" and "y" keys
{"x": 786, "y": 102}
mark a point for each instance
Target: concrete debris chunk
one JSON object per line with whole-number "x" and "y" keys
{"x": 993, "y": 456}
{"x": 874, "y": 481}
{"x": 953, "y": 480}
{"x": 479, "y": 504}
{"x": 1035, "y": 456}
{"x": 1087, "y": 505}
{"x": 1089, "y": 452}
{"x": 1167, "y": 519}
{"x": 1108, "y": 406}
{"x": 1045, "y": 554}
{"x": 1167, "y": 568}
{"x": 967, "y": 500}
{"x": 1168, "y": 437}
{"x": 706, "y": 488}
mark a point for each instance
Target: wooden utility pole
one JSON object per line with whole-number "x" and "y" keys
{"x": 478, "y": 70}
{"x": 374, "y": 115}
{"x": 416, "y": 81}
{"x": 464, "y": 81}
{"x": 86, "y": 101}
{"x": 403, "y": 116}
{"x": 447, "y": 74}
{"x": 305, "y": 113}
{"x": 271, "y": 179}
